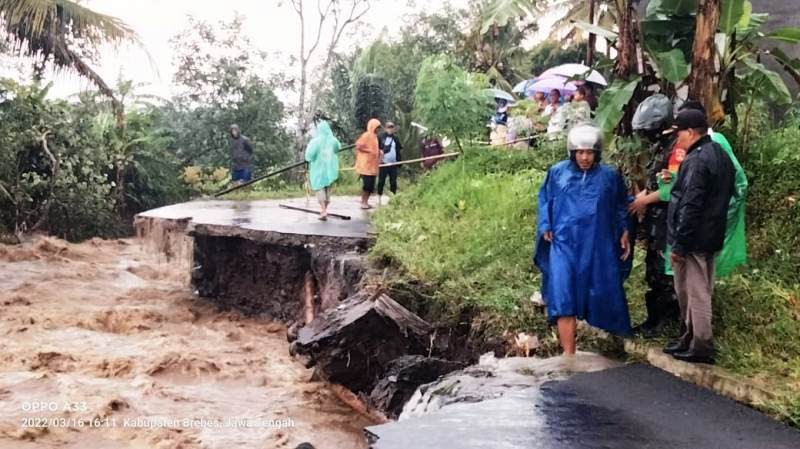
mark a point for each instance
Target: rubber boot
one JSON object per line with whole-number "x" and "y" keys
{"x": 649, "y": 325}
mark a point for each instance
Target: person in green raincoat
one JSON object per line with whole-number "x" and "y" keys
{"x": 734, "y": 251}
{"x": 323, "y": 165}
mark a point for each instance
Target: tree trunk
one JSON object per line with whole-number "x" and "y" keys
{"x": 301, "y": 108}
{"x": 730, "y": 97}
{"x": 702, "y": 82}
{"x": 626, "y": 64}
{"x": 83, "y": 68}
{"x": 592, "y": 37}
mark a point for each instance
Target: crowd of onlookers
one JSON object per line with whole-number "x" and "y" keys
{"x": 551, "y": 113}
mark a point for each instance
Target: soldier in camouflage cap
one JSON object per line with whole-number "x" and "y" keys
{"x": 652, "y": 118}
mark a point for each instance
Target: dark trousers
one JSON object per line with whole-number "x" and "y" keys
{"x": 391, "y": 172}
{"x": 660, "y": 299}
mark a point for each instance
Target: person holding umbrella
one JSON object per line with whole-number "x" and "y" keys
{"x": 554, "y": 102}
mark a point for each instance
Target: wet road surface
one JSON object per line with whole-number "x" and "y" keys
{"x": 632, "y": 407}
{"x": 270, "y": 217}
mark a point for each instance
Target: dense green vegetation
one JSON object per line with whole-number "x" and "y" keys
{"x": 459, "y": 238}
{"x": 462, "y": 238}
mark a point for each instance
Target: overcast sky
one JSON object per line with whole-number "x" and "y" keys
{"x": 271, "y": 24}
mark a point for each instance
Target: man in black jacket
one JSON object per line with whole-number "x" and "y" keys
{"x": 390, "y": 153}
{"x": 241, "y": 156}
{"x": 696, "y": 222}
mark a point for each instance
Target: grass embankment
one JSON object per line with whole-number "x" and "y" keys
{"x": 461, "y": 239}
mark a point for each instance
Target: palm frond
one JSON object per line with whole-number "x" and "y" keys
{"x": 58, "y": 31}
{"x": 578, "y": 10}
{"x": 35, "y": 22}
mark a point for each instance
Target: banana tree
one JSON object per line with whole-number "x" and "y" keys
{"x": 741, "y": 44}
{"x": 497, "y": 52}
{"x": 600, "y": 12}
{"x": 668, "y": 33}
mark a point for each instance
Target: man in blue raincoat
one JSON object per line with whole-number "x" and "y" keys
{"x": 583, "y": 241}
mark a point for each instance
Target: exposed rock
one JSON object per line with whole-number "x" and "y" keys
{"x": 353, "y": 344}
{"x": 403, "y": 376}
{"x": 338, "y": 277}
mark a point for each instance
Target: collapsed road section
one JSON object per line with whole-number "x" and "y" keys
{"x": 260, "y": 258}
{"x": 281, "y": 263}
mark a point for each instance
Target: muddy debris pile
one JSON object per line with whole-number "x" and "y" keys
{"x": 373, "y": 346}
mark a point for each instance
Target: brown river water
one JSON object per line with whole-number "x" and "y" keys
{"x": 102, "y": 346}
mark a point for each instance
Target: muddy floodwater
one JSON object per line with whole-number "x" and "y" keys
{"x": 102, "y": 346}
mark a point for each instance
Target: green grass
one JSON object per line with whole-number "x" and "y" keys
{"x": 463, "y": 235}
{"x": 461, "y": 240}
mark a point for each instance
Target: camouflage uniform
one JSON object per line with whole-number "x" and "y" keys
{"x": 660, "y": 299}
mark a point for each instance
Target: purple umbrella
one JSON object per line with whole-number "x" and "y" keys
{"x": 547, "y": 83}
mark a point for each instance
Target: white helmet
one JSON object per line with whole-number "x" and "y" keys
{"x": 585, "y": 137}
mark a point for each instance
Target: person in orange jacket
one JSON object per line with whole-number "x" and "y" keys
{"x": 368, "y": 160}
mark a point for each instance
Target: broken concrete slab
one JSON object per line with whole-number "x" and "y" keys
{"x": 354, "y": 343}
{"x": 629, "y": 407}
{"x": 403, "y": 376}
{"x": 494, "y": 377}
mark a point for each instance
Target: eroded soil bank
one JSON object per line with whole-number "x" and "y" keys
{"x": 107, "y": 333}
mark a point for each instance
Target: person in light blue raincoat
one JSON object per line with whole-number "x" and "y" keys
{"x": 323, "y": 164}
{"x": 583, "y": 244}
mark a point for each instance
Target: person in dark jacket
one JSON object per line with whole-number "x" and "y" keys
{"x": 430, "y": 146}
{"x": 390, "y": 148}
{"x": 696, "y": 224}
{"x": 241, "y": 156}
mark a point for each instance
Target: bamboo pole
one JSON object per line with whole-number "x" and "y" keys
{"x": 271, "y": 174}
{"x": 411, "y": 161}
{"x": 591, "y": 44}
{"x": 521, "y": 139}
{"x": 312, "y": 211}
{"x": 422, "y": 159}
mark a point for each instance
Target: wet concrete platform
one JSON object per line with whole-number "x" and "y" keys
{"x": 268, "y": 217}
{"x": 632, "y": 407}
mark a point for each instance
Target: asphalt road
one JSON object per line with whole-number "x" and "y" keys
{"x": 268, "y": 216}
{"x": 632, "y": 407}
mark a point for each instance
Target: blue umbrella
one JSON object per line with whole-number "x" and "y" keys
{"x": 500, "y": 94}
{"x": 521, "y": 87}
